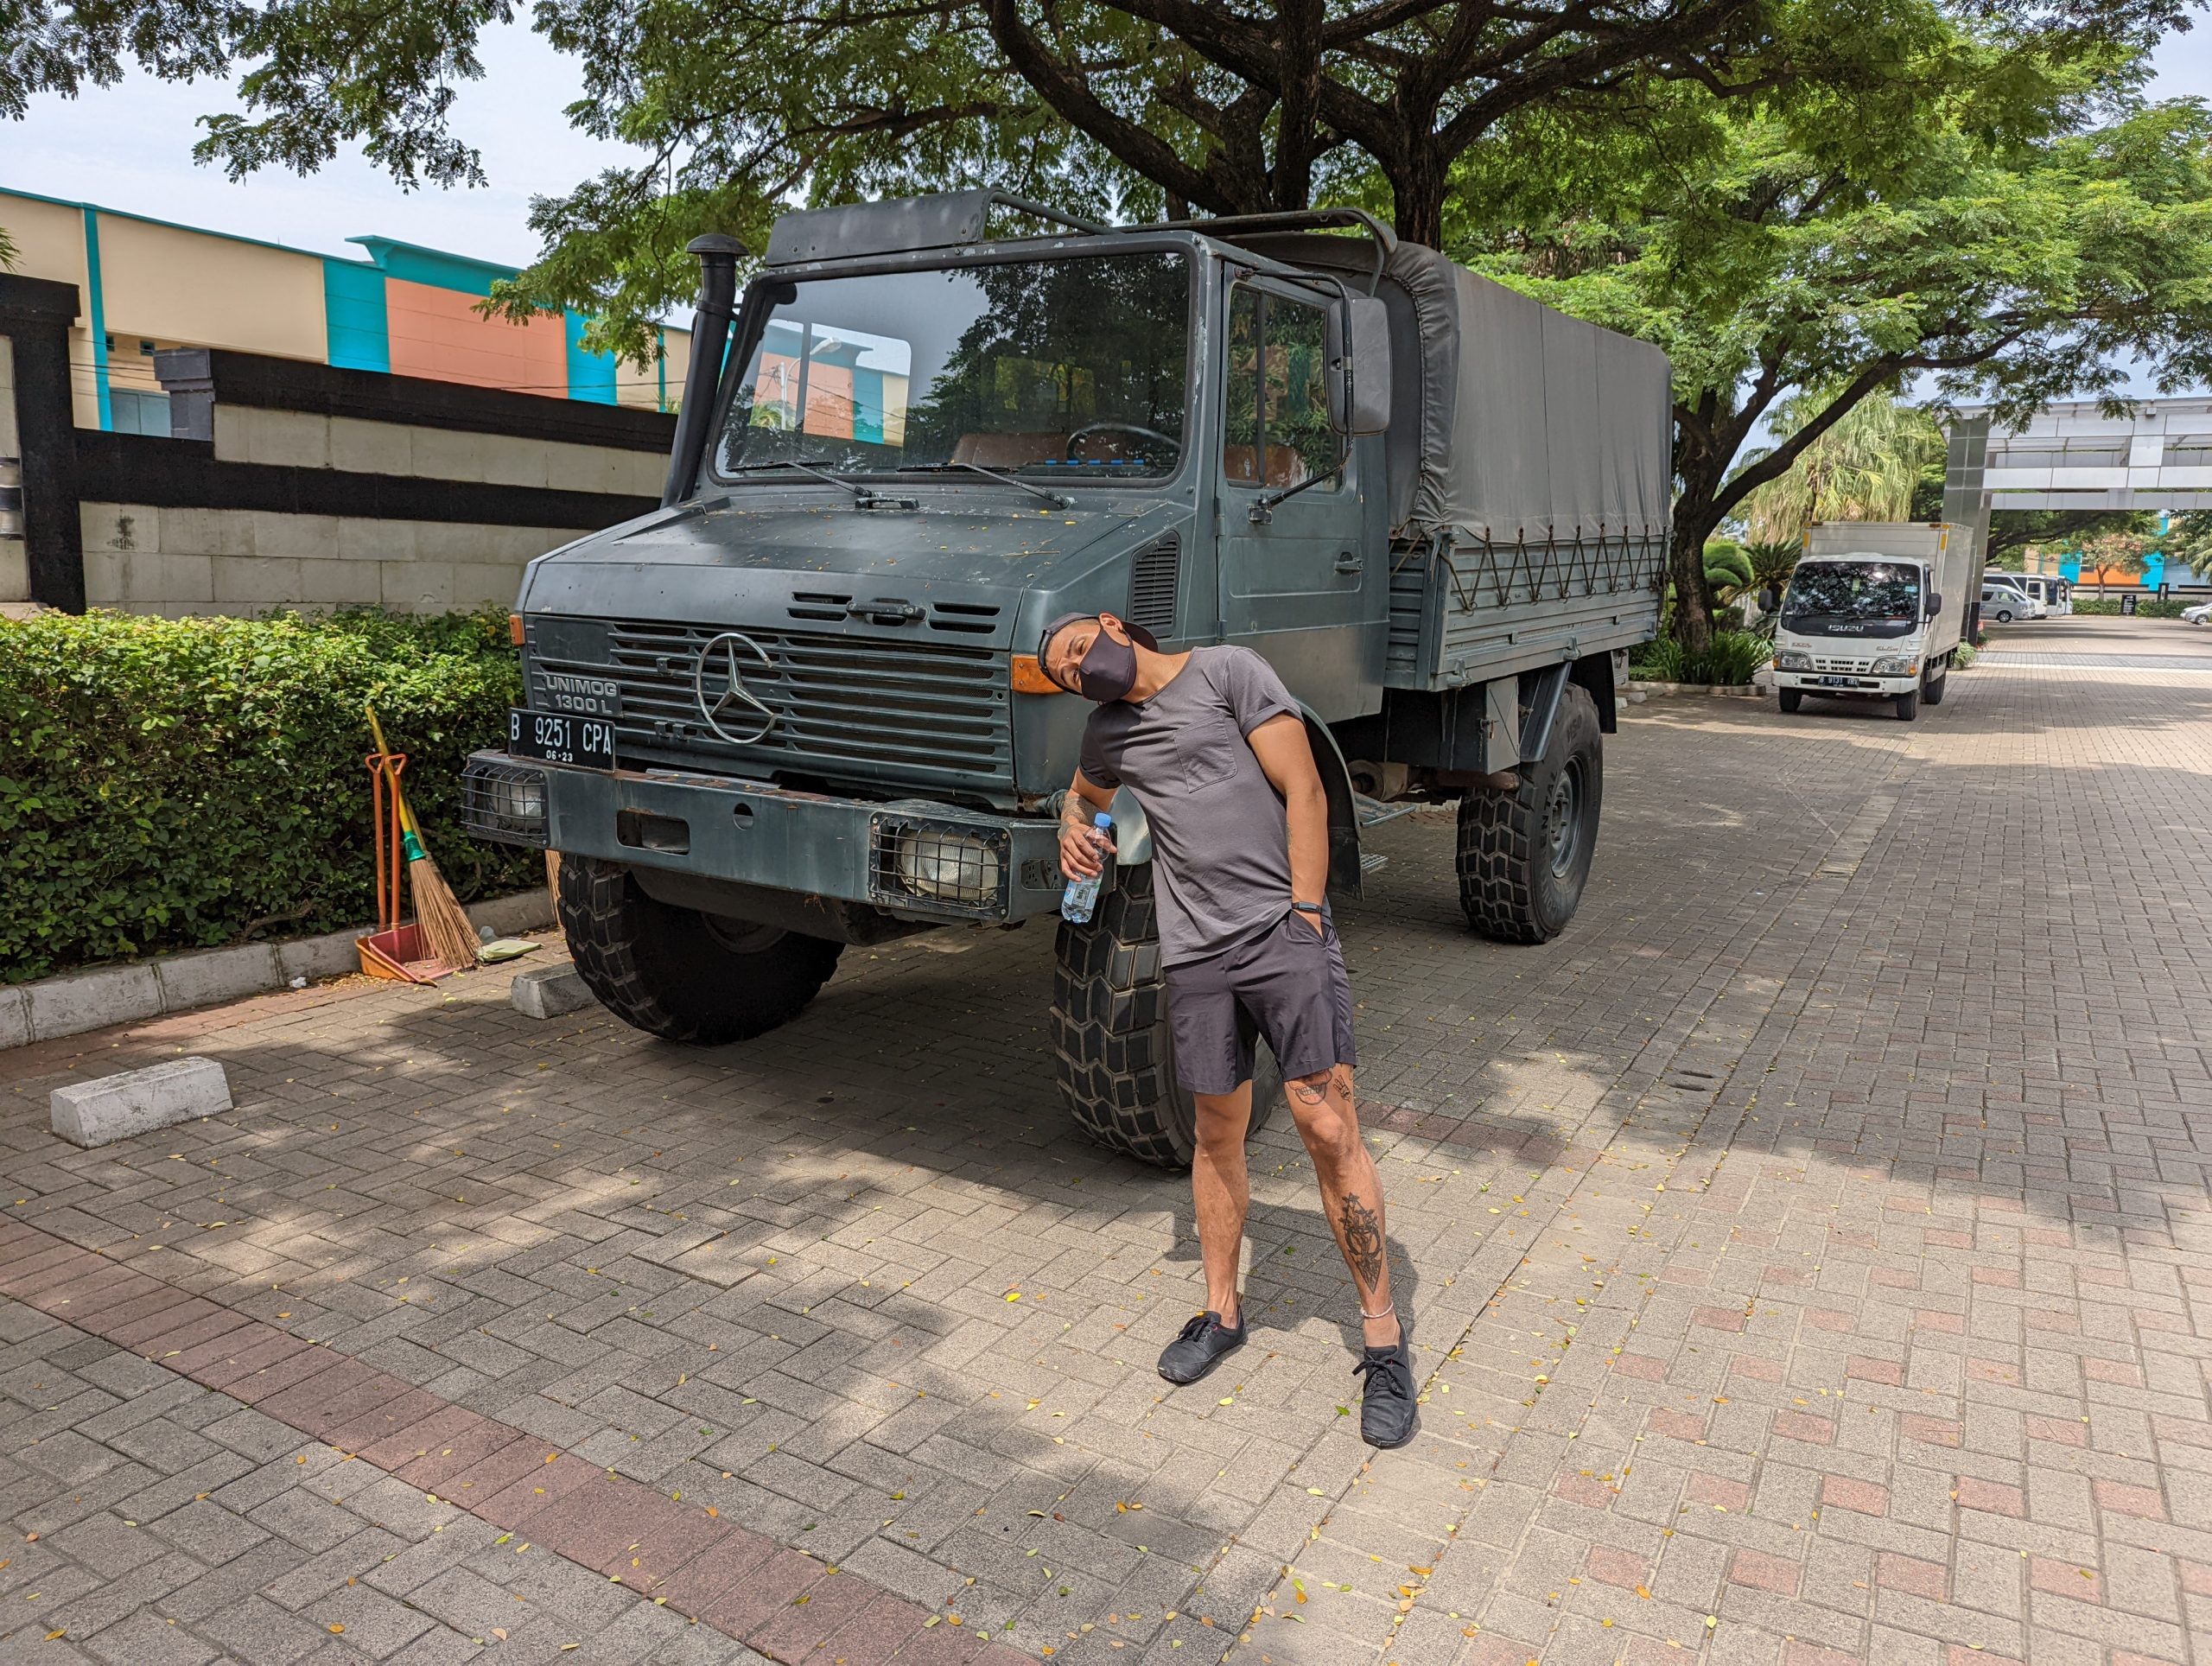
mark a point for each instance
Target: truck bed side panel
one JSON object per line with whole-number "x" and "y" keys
{"x": 1484, "y": 610}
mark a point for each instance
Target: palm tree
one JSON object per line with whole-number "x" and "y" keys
{"x": 1863, "y": 468}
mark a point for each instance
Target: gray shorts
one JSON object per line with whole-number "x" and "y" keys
{"x": 1287, "y": 983}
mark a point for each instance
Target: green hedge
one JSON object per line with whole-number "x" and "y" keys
{"x": 179, "y": 784}
{"x": 2148, "y": 608}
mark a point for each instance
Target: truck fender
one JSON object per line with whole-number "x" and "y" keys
{"x": 1344, "y": 870}
{"x": 1603, "y": 674}
{"x": 1545, "y": 692}
{"x": 1133, "y": 833}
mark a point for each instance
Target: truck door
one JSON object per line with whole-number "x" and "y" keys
{"x": 1299, "y": 585}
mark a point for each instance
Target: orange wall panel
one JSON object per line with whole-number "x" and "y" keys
{"x": 438, "y": 334}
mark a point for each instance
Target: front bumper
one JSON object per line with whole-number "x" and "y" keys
{"x": 1845, "y": 683}
{"x": 911, "y": 859}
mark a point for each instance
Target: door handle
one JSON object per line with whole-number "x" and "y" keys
{"x": 1349, "y": 562}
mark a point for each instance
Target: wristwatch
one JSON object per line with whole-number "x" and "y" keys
{"x": 1307, "y": 907}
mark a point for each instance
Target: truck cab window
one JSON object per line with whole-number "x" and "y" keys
{"x": 1276, "y": 429}
{"x": 1077, "y": 368}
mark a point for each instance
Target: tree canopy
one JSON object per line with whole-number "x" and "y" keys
{"x": 1866, "y": 467}
{"x": 1141, "y": 107}
{"x": 1854, "y": 196}
{"x": 1975, "y": 223}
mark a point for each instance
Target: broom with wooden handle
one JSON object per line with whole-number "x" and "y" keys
{"x": 445, "y": 923}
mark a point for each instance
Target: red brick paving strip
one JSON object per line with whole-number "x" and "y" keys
{"x": 784, "y": 1603}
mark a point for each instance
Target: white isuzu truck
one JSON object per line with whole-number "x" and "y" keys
{"x": 1874, "y": 611}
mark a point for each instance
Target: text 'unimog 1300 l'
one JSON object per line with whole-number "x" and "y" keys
{"x": 798, "y": 706}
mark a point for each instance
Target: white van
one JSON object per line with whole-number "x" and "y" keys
{"x": 2030, "y": 606}
{"x": 2003, "y": 603}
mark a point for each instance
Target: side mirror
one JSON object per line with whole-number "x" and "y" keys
{"x": 1359, "y": 366}
{"x": 1935, "y": 603}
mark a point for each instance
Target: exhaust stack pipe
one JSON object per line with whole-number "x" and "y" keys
{"x": 718, "y": 257}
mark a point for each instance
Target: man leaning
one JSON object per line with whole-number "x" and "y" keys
{"x": 1215, "y": 750}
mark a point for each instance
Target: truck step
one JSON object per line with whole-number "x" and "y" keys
{"x": 1373, "y": 812}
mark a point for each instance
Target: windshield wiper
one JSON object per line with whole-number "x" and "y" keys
{"x": 1052, "y": 498}
{"x": 815, "y": 468}
{"x": 862, "y": 495}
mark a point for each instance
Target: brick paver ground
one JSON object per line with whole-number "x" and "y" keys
{"x": 1805, "y": 1252}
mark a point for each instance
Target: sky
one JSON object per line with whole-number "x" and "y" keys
{"x": 129, "y": 147}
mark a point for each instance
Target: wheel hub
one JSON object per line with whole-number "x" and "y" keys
{"x": 1563, "y": 818}
{"x": 742, "y": 936}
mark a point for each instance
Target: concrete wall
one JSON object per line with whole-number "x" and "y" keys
{"x": 294, "y": 439}
{"x": 15, "y": 555}
{"x": 289, "y": 505}
{"x": 143, "y": 559}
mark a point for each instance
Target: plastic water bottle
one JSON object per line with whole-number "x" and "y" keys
{"x": 1082, "y": 895}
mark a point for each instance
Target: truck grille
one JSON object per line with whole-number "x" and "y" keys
{"x": 1833, "y": 667}
{"x": 873, "y": 709}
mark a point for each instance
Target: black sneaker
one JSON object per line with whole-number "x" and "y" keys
{"x": 1203, "y": 1344}
{"x": 1387, "y": 1416}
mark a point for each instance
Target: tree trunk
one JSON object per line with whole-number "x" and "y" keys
{"x": 1417, "y": 192}
{"x": 1694, "y": 522}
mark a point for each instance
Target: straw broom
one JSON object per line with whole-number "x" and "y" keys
{"x": 437, "y": 911}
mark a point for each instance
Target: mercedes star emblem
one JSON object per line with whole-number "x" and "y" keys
{"x": 732, "y": 710}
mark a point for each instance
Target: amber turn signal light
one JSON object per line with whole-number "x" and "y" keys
{"x": 1029, "y": 676}
{"x": 514, "y": 629}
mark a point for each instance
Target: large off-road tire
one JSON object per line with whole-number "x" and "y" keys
{"x": 677, "y": 973}
{"x": 1524, "y": 856}
{"x": 1790, "y": 699}
{"x": 1113, "y": 1049}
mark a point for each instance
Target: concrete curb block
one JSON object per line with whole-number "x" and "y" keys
{"x": 113, "y": 1108}
{"x": 77, "y": 1001}
{"x": 548, "y": 992}
{"x": 1736, "y": 691}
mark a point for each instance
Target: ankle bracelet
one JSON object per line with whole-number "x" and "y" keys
{"x": 1385, "y": 1314}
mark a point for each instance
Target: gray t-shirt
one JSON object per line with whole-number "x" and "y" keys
{"x": 1220, "y": 840}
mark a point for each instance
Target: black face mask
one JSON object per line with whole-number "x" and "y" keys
{"x": 1108, "y": 670}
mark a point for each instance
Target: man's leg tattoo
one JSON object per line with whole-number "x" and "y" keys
{"x": 1312, "y": 1090}
{"x": 1362, "y": 1236}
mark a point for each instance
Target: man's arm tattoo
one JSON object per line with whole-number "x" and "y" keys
{"x": 1362, "y": 1235}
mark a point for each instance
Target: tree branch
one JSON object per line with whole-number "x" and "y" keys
{"x": 1147, "y": 153}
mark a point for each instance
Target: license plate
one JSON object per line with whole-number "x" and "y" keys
{"x": 1839, "y": 682}
{"x": 560, "y": 739}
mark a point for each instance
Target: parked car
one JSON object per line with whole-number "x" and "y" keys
{"x": 2026, "y": 604}
{"x": 2001, "y": 604}
{"x": 2053, "y": 596}
{"x": 2200, "y": 615}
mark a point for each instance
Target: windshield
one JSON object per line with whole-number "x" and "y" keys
{"x": 1068, "y": 369}
{"x": 1857, "y": 591}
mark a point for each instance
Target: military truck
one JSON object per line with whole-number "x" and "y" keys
{"x": 798, "y": 707}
